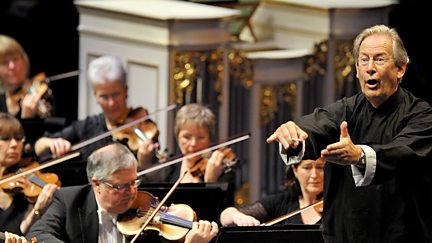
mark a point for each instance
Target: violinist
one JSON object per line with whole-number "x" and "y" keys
{"x": 17, "y": 213}
{"x": 108, "y": 79}
{"x": 14, "y": 71}
{"x": 88, "y": 213}
{"x": 304, "y": 184}
{"x": 194, "y": 130}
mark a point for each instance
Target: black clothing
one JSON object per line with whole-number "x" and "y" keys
{"x": 74, "y": 172}
{"x": 11, "y": 218}
{"x": 48, "y": 98}
{"x": 273, "y": 206}
{"x": 395, "y": 207}
{"x": 35, "y": 127}
{"x": 71, "y": 217}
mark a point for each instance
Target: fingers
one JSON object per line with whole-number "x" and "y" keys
{"x": 343, "y": 152}
{"x": 59, "y": 146}
{"x": 272, "y": 138}
{"x": 29, "y": 105}
{"x": 214, "y": 229}
{"x": 289, "y": 135}
{"x": 207, "y": 229}
{"x": 246, "y": 220}
{"x": 215, "y": 166}
{"x": 45, "y": 196}
{"x": 12, "y": 238}
{"x": 344, "y": 129}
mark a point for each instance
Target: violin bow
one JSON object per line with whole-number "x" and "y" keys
{"x": 45, "y": 165}
{"x": 161, "y": 203}
{"x": 62, "y": 76}
{"x": 85, "y": 143}
{"x": 108, "y": 133}
{"x": 175, "y": 161}
{"x": 290, "y": 214}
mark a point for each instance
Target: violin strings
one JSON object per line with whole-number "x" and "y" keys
{"x": 167, "y": 218}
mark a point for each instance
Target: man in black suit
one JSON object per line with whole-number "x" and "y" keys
{"x": 89, "y": 213}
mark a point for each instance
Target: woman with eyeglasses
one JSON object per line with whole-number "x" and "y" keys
{"x": 17, "y": 214}
{"x": 108, "y": 78}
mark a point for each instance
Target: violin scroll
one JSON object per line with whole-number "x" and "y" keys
{"x": 39, "y": 86}
{"x": 229, "y": 161}
{"x": 136, "y": 135}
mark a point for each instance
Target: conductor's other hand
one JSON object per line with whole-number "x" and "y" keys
{"x": 344, "y": 152}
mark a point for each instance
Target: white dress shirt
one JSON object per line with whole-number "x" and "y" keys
{"x": 108, "y": 232}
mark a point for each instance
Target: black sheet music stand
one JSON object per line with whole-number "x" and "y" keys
{"x": 271, "y": 234}
{"x": 206, "y": 199}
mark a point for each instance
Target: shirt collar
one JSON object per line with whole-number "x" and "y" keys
{"x": 104, "y": 216}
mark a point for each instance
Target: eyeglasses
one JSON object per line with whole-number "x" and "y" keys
{"x": 379, "y": 60}
{"x": 106, "y": 98}
{"x": 121, "y": 188}
{"x": 17, "y": 137}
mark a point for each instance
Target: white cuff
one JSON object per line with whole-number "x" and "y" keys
{"x": 292, "y": 159}
{"x": 365, "y": 179}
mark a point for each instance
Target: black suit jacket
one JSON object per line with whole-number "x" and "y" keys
{"x": 71, "y": 217}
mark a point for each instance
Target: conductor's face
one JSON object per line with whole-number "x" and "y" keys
{"x": 117, "y": 194}
{"x": 376, "y": 70}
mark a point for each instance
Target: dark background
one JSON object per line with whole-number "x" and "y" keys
{"x": 47, "y": 29}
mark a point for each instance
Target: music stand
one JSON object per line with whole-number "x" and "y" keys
{"x": 206, "y": 199}
{"x": 274, "y": 234}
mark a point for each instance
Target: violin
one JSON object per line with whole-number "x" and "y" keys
{"x": 36, "y": 86}
{"x": 128, "y": 135}
{"x": 136, "y": 135}
{"x": 30, "y": 185}
{"x": 230, "y": 159}
{"x": 172, "y": 223}
{"x": 40, "y": 87}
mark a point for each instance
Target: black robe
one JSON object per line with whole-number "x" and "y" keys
{"x": 396, "y": 206}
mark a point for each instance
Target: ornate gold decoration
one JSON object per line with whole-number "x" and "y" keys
{"x": 344, "y": 68}
{"x": 241, "y": 69}
{"x": 242, "y": 195}
{"x": 315, "y": 66}
{"x": 188, "y": 68}
{"x": 272, "y": 96}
